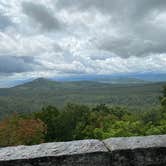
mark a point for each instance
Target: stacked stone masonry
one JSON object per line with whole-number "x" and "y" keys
{"x": 129, "y": 151}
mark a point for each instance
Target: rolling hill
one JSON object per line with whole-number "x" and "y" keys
{"x": 116, "y": 78}
{"x": 33, "y": 95}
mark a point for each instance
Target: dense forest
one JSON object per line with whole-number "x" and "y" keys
{"x": 33, "y": 96}
{"x": 76, "y": 121}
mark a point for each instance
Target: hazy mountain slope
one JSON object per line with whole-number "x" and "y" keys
{"x": 33, "y": 95}
{"x": 122, "y": 80}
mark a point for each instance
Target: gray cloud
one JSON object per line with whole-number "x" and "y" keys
{"x": 14, "y": 64}
{"x": 41, "y": 15}
{"x": 126, "y": 47}
{"x": 138, "y": 36}
{"x": 104, "y": 5}
{"x": 5, "y": 21}
{"x": 141, "y": 7}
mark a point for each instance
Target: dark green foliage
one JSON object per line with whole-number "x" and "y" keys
{"x": 164, "y": 91}
{"x": 51, "y": 117}
{"x": 61, "y": 125}
{"x": 163, "y": 97}
{"x": 75, "y": 122}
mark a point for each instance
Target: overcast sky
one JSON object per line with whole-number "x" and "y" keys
{"x": 45, "y": 38}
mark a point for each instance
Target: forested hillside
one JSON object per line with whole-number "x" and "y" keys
{"x": 34, "y": 95}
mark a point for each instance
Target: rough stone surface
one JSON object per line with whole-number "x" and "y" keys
{"x": 124, "y": 143}
{"x": 52, "y": 149}
{"x": 137, "y": 151}
{"x": 133, "y": 151}
{"x": 90, "y": 159}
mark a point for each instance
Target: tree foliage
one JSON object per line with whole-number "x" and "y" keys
{"x": 16, "y": 130}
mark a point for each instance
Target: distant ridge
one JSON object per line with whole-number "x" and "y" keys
{"x": 122, "y": 80}
{"x": 132, "y": 78}
{"x": 33, "y": 95}
{"x": 116, "y": 78}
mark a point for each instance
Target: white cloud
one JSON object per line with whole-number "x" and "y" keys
{"x": 90, "y": 37}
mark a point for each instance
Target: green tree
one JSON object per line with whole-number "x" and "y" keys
{"x": 163, "y": 97}
{"x": 52, "y": 118}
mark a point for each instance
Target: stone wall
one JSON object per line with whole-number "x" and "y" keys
{"x": 132, "y": 151}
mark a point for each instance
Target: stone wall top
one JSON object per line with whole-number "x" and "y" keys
{"x": 52, "y": 149}
{"x": 125, "y": 143}
{"x": 129, "y": 151}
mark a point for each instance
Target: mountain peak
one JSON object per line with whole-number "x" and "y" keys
{"x": 38, "y": 82}
{"x": 40, "y": 79}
